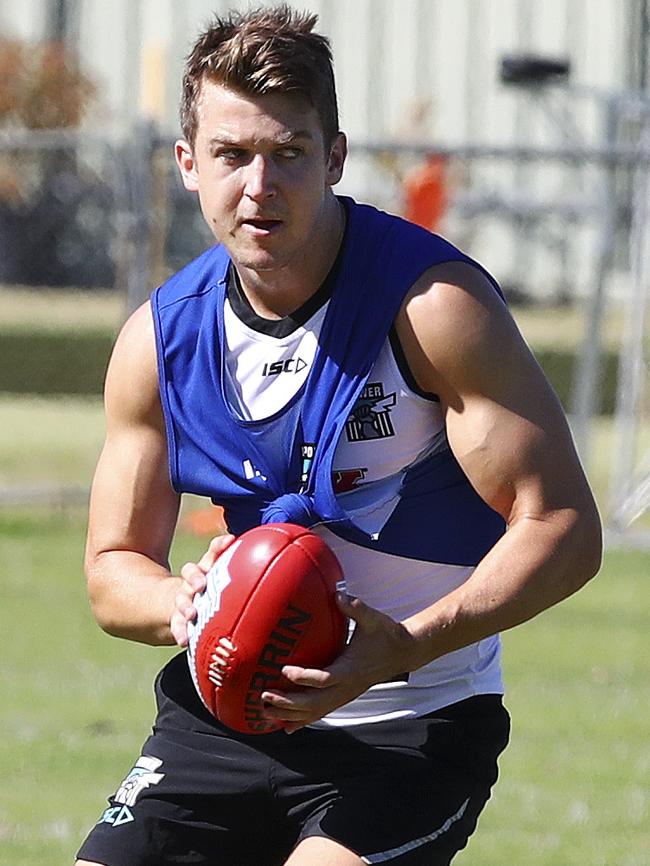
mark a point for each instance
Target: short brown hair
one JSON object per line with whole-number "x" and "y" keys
{"x": 266, "y": 50}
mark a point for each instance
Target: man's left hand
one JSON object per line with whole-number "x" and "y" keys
{"x": 380, "y": 649}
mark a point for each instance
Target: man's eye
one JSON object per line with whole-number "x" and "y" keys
{"x": 233, "y": 154}
{"x": 290, "y": 152}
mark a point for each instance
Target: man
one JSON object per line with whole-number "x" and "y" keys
{"x": 332, "y": 365}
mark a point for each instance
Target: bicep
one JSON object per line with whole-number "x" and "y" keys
{"x": 514, "y": 445}
{"x": 133, "y": 507}
{"x": 504, "y": 423}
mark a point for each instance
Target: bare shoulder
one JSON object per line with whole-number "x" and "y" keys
{"x": 131, "y": 391}
{"x": 459, "y": 335}
{"x": 504, "y": 422}
{"x": 132, "y": 471}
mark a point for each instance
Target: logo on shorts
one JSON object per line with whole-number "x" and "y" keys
{"x": 142, "y": 776}
{"x": 370, "y": 417}
{"x": 116, "y": 816}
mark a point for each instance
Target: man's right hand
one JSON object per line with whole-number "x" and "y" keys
{"x": 193, "y": 581}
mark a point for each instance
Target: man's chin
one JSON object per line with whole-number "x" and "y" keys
{"x": 256, "y": 264}
{"x": 258, "y": 260}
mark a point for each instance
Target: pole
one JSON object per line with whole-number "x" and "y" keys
{"x": 626, "y": 501}
{"x": 141, "y": 189}
{"x": 587, "y": 378}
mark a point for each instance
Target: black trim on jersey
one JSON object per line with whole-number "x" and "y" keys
{"x": 405, "y": 370}
{"x": 242, "y": 308}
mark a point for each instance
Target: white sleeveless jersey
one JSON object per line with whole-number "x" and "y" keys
{"x": 263, "y": 372}
{"x": 266, "y": 365}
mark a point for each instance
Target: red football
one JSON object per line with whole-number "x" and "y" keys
{"x": 269, "y": 602}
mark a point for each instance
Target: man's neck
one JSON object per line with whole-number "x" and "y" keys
{"x": 274, "y": 294}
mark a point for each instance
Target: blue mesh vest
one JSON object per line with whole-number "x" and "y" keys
{"x": 280, "y": 468}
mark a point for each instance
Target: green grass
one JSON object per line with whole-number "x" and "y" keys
{"x": 75, "y": 706}
{"x": 49, "y": 441}
{"x": 574, "y": 787}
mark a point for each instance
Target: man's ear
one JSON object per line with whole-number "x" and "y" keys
{"x": 187, "y": 166}
{"x": 336, "y": 161}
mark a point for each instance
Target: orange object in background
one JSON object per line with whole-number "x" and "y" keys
{"x": 426, "y": 192}
{"x": 205, "y": 521}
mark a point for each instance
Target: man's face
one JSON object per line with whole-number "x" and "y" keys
{"x": 263, "y": 175}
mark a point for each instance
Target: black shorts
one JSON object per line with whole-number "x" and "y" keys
{"x": 407, "y": 792}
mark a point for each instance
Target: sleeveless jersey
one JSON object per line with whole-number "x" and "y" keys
{"x": 416, "y": 528}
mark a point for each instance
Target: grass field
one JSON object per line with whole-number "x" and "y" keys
{"x": 75, "y": 705}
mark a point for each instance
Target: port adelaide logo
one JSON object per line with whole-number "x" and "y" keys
{"x": 141, "y": 777}
{"x": 370, "y": 417}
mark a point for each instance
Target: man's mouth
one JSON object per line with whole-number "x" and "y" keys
{"x": 263, "y": 225}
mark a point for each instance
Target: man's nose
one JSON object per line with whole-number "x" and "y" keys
{"x": 260, "y": 181}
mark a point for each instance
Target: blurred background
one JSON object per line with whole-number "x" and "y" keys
{"x": 518, "y": 129}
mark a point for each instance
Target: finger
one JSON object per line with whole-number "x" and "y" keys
{"x": 180, "y": 637}
{"x": 277, "y": 700}
{"x": 361, "y": 613}
{"x": 216, "y": 547}
{"x": 178, "y": 628}
{"x": 312, "y": 677}
{"x": 184, "y": 605}
{"x": 280, "y": 708}
{"x": 286, "y": 711}
{"x": 351, "y": 605}
{"x": 194, "y": 577}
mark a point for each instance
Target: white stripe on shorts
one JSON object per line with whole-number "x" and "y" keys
{"x": 384, "y": 856}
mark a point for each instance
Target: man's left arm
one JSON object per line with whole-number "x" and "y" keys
{"x": 508, "y": 432}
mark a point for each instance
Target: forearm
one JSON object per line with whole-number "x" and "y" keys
{"x": 132, "y": 596}
{"x": 536, "y": 564}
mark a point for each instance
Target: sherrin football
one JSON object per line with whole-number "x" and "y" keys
{"x": 269, "y": 602}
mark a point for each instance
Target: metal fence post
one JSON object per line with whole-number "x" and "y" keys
{"x": 140, "y": 172}
{"x": 630, "y": 487}
{"x": 587, "y": 379}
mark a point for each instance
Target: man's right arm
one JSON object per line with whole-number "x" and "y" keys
{"x": 133, "y": 509}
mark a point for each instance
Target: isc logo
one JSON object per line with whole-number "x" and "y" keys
{"x": 291, "y": 365}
